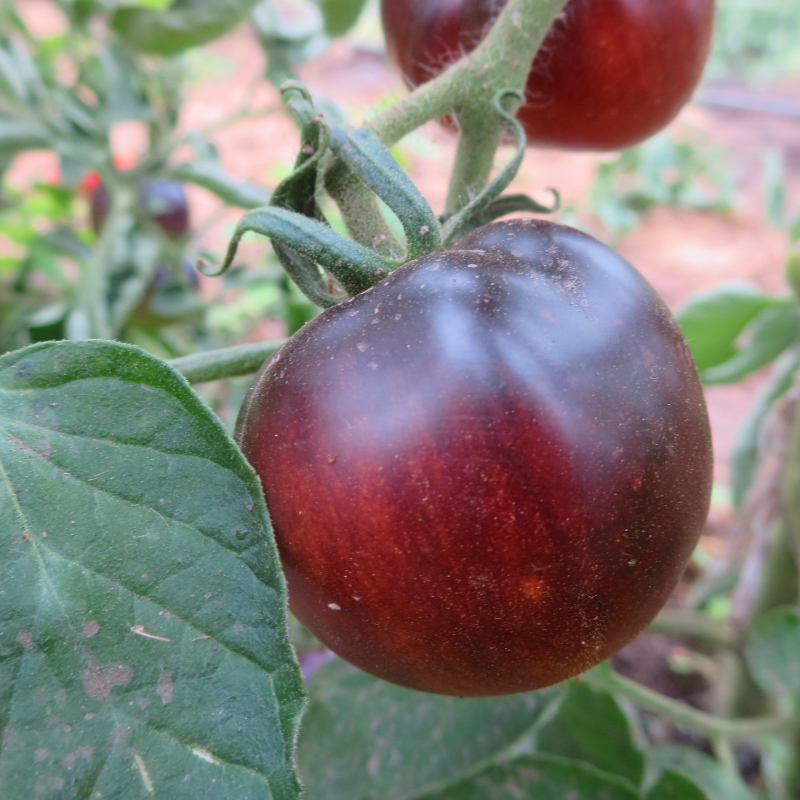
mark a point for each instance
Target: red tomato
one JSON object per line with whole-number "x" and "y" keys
{"x": 486, "y": 473}
{"x": 609, "y": 74}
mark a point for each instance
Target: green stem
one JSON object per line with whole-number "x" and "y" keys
{"x": 94, "y": 306}
{"x": 694, "y": 625}
{"x": 477, "y": 146}
{"x": 230, "y": 362}
{"x": 501, "y": 61}
{"x": 684, "y": 716}
{"x": 361, "y": 213}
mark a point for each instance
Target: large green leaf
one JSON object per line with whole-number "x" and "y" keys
{"x": 765, "y": 337}
{"x": 591, "y": 726}
{"x": 539, "y": 778}
{"x": 712, "y": 321}
{"x": 367, "y": 739}
{"x": 185, "y": 24}
{"x": 143, "y": 631}
{"x": 773, "y": 652}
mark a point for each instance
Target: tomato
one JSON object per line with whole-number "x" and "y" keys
{"x": 162, "y": 201}
{"x": 486, "y": 473}
{"x": 609, "y": 74}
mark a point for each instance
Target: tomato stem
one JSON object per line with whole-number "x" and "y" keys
{"x": 469, "y": 86}
{"x": 695, "y": 625}
{"x": 604, "y": 677}
{"x": 501, "y": 61}
{"x": 228, "y": 362}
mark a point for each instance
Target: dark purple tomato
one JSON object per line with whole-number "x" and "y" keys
{"x": 162, "y": 201}
{"x": 486, "y": 474}
{"x": 609, "y": 74}
{"x": 165, "y": 277}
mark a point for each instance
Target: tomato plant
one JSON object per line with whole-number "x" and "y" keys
{"x": 486, "y": 460}
{"x": 610, "y": 73}
{"x": 487, "y": 473}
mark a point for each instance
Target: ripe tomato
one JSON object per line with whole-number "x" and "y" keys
{"x": 486, "y": 473}
{"x": 609, "y": 74}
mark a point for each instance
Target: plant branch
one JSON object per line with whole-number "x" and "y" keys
{"x": 229, "y": 362}
{"x": 694, "y": 625}
{"x": 501, "y": 61}
{"x": 713, "y": 727}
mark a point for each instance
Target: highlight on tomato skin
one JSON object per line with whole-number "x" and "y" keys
{"x": 487, "y": 473}
{"x": 610, "y": 73}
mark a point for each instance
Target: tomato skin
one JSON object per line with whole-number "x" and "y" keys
{"x": 486, "y": 473}
{"x": 609, "y": 74}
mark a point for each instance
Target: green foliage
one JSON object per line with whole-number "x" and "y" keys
{"x": 713, "y": 321}
{"x": 592, "y": 727}
{"x": 710, "y": 775}
{"x": 773, "y": 650}
{"x": 211, "y": 176}
{"x": 340, "y": 15}
{"x": 288, "y": 41}
{"x": 744, "y": 460}
{"x": 143, "y": 629}
{"x": 539, "y": 778}
{"x": 142, "y": 618}
{"x": 763, "y": 339}
{"x": 401, "y": 744}
{"x": 755, "y": 39}
{"x": 674, "y": 786}
{"x": 660, "y": 172}
{"x": 181, "y": 26}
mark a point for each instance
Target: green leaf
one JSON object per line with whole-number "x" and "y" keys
{"x": 773, "y": 652}
{"x": 765, "y": 337}
{"x": 354, "y": 265}
{"x": 367, "y": 739}
{"x": 712, "y": 777}
{"x": 591, "y": 726}
{"x": 374, "y": 164}
{"x": 183, "y": 25}
{"x": 712, "y": 321}
{"x": 539, "y": 778}
{"x": 212, "y": 176}
{"x": 143, "y": 634}
{"x": 672, "y": 785}
{"x": 340, "y": 15}
{"x": 11, "y": 82}
{"x": 287, "y": 39}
